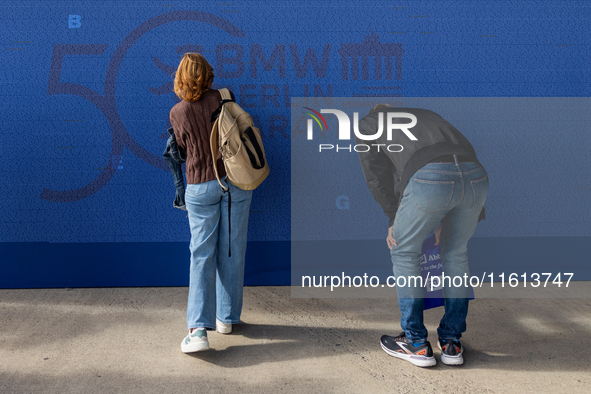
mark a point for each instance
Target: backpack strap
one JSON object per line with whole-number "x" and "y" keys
{"x": 226, "y": 98}
{"x": 255, "y": 144}
{"x": 213, "y": 142}
{"x": 225, "y": 93}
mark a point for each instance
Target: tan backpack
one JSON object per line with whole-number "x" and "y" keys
{"x": 240, "y": 143}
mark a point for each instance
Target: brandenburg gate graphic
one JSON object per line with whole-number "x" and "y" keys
{"x": 371, "y": 47}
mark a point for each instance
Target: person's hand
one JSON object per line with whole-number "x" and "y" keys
{"x": 390, "y": 239}
{"x": 438, "y": 234}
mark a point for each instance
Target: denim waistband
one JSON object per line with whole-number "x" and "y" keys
{"x": 451, "y": 167}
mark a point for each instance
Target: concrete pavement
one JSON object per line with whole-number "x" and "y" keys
{"x": 127, "y": 340}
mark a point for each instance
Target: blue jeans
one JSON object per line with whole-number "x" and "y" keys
{"x": 216, "y": 280}
{"x": 454, "y": 195}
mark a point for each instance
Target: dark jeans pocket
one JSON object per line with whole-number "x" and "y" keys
{"x": 480, "y": 190}
{"x": 432, "y": 196}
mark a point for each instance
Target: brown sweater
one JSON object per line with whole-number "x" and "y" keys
{"x": 192, "y": 130}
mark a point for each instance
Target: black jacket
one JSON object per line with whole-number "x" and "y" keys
{"x": 387, "y": 172}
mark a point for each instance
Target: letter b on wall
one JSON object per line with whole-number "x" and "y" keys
{"x": 74, "y": 21}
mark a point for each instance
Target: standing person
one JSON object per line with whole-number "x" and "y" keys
{"x": 216, "y": 279}
{"x": 434, "y": 178}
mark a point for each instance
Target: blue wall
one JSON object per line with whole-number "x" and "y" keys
{"x": 87, "y": 87}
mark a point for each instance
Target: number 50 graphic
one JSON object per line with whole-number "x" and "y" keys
{"x": 106, "y": 104}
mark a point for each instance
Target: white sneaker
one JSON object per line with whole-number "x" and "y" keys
{"x": 223, "y": 328}
{"x": 195, "y": 342}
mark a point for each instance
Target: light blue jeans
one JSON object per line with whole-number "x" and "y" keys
{"x": 216, "y": 280}
{"x": 454, "y": 195}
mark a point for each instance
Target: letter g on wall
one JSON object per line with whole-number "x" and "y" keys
{"x": 342, "y": 202}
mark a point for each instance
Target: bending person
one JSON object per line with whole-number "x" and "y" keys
{"x": 436, "y": 178}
